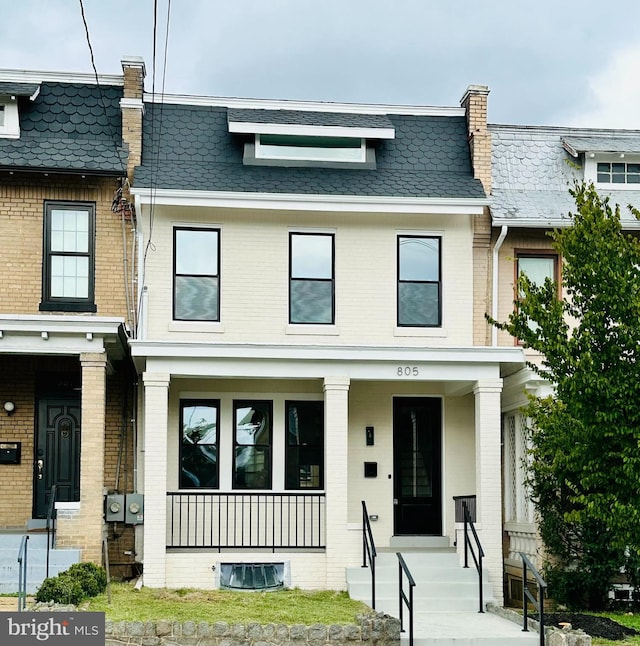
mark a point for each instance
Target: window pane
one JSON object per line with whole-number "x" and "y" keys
{"x": 197, "y": 252}
{"x": 304, "y": 455}
{"x": 69, "y": 277}
{"x": 69, "y": 230}
{"x": 419, "y": 258}
{"x": 538, "y": 269}
{"x": 253, "y": 423}
{"x": 252, "y": 467}
{"x": 196, "y": 298}
{"x": 311, "y": 256}
{"x": 419, "y": 304}
{"x": 312, "y": 148}
{"x": 311, "y": 301}
{"x": 199, "y": 451}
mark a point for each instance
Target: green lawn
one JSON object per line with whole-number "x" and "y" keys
{"x": 626, "y": 619}
{"x": 284, "y": 606}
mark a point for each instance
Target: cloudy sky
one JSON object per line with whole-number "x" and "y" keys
{"x": 554, "y": 62}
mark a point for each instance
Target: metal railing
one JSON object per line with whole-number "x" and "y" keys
{"x": 369, "y": 551}
{"x": 527, "y": 596}
{"x": 403, "y": 598}
{"x": 236, "y": 520}
{"x": 22, "y": 573}
{"x": 51, "y": 523}
{"x": 476, "y": 552}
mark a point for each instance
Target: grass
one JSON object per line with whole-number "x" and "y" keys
{"x": 626, "y": 619}
{"x": 282, "y": 607}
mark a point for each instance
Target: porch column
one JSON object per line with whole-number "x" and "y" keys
{"x": 88, "y": 522}
{"x": 489, "y": 478}
{"x": 156, "y": 410}
{"x": 336, "y": 423}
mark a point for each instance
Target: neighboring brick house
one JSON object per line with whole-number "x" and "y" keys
{"x": 533, "y": 168}
{"x": 310, "y": 334}
{"x": 67, "y": 301}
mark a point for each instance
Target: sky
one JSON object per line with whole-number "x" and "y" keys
{"x": 546, "y": 62}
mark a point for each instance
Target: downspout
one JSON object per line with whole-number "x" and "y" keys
{"x": 141, "y": 332}
{"x": 494, "y": 282}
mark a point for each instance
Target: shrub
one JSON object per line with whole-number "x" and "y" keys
{"x": 80, "y": 581}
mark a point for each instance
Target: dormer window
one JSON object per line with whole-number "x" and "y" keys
{"x": 618, "y": 173}
{"x": 9, "y": 123}
{"x": 335, "y": 149}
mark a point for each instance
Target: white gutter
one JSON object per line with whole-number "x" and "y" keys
{"x": 494, "y": 282}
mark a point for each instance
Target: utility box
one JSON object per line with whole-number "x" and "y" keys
{"x": 10, "y": 452}
{"x": 114, "y": 508}
{"x": 134, "y": 509}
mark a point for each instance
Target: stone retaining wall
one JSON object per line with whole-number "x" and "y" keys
{"x": 373, "y": 629}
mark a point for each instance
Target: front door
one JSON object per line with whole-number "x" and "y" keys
{"x": 57, "y": 455}
{"x": 417, "y": 430}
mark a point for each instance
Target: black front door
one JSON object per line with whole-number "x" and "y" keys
{"x": 57, "y": 454}
{"x": 417, "y": 430}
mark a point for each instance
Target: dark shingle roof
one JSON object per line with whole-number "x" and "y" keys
{"x": 429, "y": 157}
{"x": 69, "y": 126}
{"x": 309, "y": 118}
{"x": 19, "y": 89}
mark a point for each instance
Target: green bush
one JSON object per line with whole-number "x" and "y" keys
{"x": 80, "y": 581}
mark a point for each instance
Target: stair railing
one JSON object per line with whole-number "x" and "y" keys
{"x": 369, "y": 551}
{"x": 51, "y": 523}
{"x": 22, "y": 573}
{"x": 527, "y": 596}
{"x": 403, "y": 598}
{"x": 476, "y": 551}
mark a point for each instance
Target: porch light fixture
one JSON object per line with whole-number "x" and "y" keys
{"x": 9, "y": 407}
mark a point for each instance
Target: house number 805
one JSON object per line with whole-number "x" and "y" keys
{"x": 408, "y": 371}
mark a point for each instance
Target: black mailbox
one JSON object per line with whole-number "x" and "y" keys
{"x": 10, "y": 452}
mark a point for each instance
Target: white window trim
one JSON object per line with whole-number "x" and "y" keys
{"x": 261, "y": 153}
{"x": 591, "y": 161}
{"x": 10, "y": 129}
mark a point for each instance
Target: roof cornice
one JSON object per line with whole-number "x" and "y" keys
{"x": 298, "y": 202}
{"x": 29, "y": 76}
{"x": 311, "y": 106}
{"x": 547, "y": 223}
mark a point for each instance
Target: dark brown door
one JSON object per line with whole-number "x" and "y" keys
{"x": 417, "y": 430}
{"x": 57, "y": 455}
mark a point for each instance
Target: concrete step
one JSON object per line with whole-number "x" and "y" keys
{"x": 409, "y": 543}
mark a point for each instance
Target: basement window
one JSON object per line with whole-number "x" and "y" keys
{"x": 252, "y": 576}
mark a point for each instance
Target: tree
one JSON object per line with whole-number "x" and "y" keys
{"x": 584, "y": 472}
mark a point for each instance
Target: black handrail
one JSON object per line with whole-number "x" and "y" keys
{"x": 51, "y": 523}
{"x": 403, "y": 599}
{"x": 526, "y": 595}
{"x": 369, "y": 551}
{"x": 468, "y": 547}
{"x": 22, "y": 573}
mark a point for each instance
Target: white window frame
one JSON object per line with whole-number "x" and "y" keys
{"x": 10, "y": 125}
{"x": 307, "y": 152}
{"x": 591, "y": 169}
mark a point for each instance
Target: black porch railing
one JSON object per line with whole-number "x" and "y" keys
{"x": 249, "y": 520}
{"x": 403, "y": 597}
{"x": 369, "y": 551}
{"x": 527, "y": 596}
{"x": 22, "y": 573}
{"x": 51, "y": 523}
{"x": 476, "y": 550}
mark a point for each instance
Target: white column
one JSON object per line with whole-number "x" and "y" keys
{"x": 488, "y": 478}
{"x": 336, "y": 424}
{"x": 156, "y": 409}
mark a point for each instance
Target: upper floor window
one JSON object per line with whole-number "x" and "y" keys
{"x": 196, "y": 274}
{"x": 311, "y": 278}
{"x": 618, "y": 173}
{"x": 199, "y": 444}
{"x": 537, "y": 266}
{"x": 299, "y": 148}
{"x": 252, "y": 443}
{"x": 69, "y": 257}
{"x": 304, "y": 459}
{"x": 9, "y": 121}
{"x": 419, "y": 281}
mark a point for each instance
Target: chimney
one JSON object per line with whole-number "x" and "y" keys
{"x": 132, "y": 109}
{"x": 474, "y": 103}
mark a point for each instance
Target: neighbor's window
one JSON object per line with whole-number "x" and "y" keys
{"x": 300, "y": 148}
{"x": 311, "y": 282}
{"x": 419, "y": 281}
{"x": 199, "y": 444}
{"x": 68, "y": 268}
{"x": 618, "y": 173}
{"x": 304, "y": 459}
{"x": 196, "y": 276}
{"x": 252, "y": 444}
{"x": 537, "y": 267}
